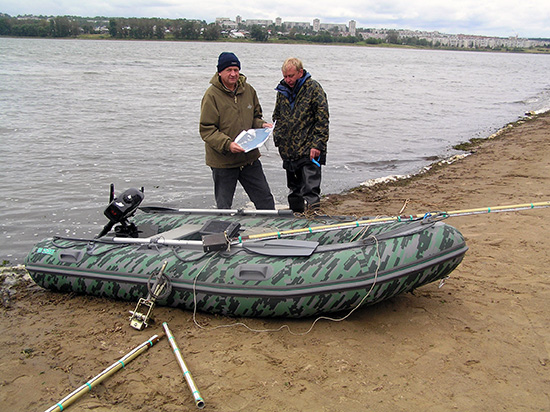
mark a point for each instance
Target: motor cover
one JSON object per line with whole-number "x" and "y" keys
{"x": 124, "y": 205}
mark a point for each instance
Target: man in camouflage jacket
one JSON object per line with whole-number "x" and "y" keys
{"x": 301, "y": 133}
{"x": 229, "y": 106}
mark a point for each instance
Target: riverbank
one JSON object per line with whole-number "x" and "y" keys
{"x": 363, "y": 43}
{"x": 479, "y": 342}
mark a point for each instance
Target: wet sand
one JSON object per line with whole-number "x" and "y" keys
{"x": 480, "y": 342}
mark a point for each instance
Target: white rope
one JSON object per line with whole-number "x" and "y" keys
{"x": 285, "y": 326}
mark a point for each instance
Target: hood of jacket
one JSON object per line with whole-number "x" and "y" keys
{"x": 291, "y": 92}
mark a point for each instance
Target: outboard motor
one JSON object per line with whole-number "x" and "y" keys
{"x": 119, "y": 210}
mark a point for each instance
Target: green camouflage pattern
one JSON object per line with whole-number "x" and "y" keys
{"x": 304, "y": 125}
{"x": 350, "y": 267}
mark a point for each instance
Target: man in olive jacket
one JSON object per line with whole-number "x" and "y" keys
{"x": 301, "y": 133}
{"x": 229, "y": 106}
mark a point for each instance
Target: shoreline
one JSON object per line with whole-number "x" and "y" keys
{"x": 468, "y": 148}
{"x": 480, "y": 342}
{"x": 100, "y": 37}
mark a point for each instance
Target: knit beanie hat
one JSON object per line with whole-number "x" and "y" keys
{"x": 226, "y": 60}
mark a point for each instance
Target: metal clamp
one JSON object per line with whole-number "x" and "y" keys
{"x": 141, "y": 315}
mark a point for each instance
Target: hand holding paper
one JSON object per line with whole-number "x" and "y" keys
{"x": 253, "y": 138}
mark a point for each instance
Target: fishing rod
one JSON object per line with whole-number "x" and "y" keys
{"x": 237, "y": 241}
{"x": 367, "y": 222}
{"x": 121, "y": 363}
{"x": 497, "y": 209}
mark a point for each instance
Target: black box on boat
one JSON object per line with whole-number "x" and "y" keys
{"x": 220, "y": 226}
{"x": 215, "y": 242}
{"x": 216, "y": 234}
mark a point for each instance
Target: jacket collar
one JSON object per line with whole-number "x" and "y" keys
{"x": 291, "y": 93}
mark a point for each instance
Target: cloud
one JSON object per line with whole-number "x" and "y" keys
{"x": 489, "y": 17}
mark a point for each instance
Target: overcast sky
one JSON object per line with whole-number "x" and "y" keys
{"x": 502, "y": 18}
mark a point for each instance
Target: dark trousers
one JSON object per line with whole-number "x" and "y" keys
{"x": 252, "y": 179}
{"x": 304, "y": 184}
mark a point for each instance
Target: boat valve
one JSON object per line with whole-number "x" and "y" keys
{"x": 141, "y": 315}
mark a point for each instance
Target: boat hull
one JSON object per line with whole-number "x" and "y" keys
{"x": 347, "y": 268}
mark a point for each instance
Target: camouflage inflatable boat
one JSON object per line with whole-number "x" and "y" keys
{"x": 247, "y": 263}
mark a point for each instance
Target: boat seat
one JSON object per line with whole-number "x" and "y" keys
{"x": 178, "y": 232}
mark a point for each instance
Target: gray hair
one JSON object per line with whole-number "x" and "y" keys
{"x": 292, "y": 61}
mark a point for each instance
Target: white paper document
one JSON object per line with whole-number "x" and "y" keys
{"x": 253, "y": 138}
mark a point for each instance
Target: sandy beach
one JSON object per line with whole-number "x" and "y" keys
{"x": 480, "y": 342}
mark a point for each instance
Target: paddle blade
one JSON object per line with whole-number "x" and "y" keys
{"x": 282, "y": 247}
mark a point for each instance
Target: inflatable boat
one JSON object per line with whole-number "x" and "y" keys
{"x": 247, "y": 263}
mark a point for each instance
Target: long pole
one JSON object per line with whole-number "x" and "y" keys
{"x": 121, "y": 363}
{"x": 199, "y": 401}
{"x": 496, "y": 209}
{"x": 359, "y": 223}
{"x": 235, "y": 242}
{"x": 219, "y": 212}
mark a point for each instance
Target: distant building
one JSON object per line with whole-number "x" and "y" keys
{"x": 332, "y": 26}
{"x": 278, "y": 21}
{"x": 316, "y": 25}
{"x": 463, "y": 41}
{"x": 234, "y": 34}
{"x": 258, "y": 22}
{"x": 352, "y": 28}
{"x": 297, "y": 24}
{"x": 226, "y": 23}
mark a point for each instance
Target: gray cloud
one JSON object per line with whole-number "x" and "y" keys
{"x": 501, "y": 18}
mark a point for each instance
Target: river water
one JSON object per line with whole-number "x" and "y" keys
{"x": 77, "y": 115}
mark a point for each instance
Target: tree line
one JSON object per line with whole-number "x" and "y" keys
{"x": 184, "y": 29}
{"x": 120, "y": 28}
{"x": 151, "y": 29}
